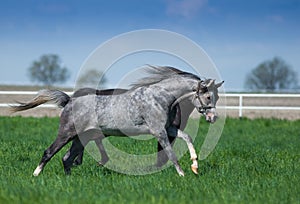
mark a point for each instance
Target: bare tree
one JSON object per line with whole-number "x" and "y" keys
{"x": 48, "y": 70}
{"x": 272, "y": 75}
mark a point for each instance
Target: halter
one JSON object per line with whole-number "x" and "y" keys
{"x": 203, "y": 108}
{"x": 195, "y": 95}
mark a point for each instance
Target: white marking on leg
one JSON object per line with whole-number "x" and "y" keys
{"x": 195, "y": 164}
{"x": 38, "y": 170}
{"x": 191, "y": 148}
{"x": 179, "y": 170}
{"x": 181, "y": 174}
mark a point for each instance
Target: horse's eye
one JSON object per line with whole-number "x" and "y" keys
{"x": 208, "y": 97}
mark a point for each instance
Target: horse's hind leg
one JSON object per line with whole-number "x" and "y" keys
{"x": 79, "y": 158}
{"x": 75, "y": 151}
{"x": 60, "y": 141}
{"x": 104, "y": 156}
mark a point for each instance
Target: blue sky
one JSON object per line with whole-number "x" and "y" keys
{"x": 237, "y": 35}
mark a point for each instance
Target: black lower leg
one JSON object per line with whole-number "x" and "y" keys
{"x": 104, "y": 156}
{"x": 73, "y": 152}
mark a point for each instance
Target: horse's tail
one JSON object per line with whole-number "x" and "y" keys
{"x": 60, "y": 98}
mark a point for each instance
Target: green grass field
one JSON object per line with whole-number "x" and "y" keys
{"x": 255, "y": 161}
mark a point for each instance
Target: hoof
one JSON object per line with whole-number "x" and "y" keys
{"x": 194, "y": 169}
{"x": 68, "y": 172}
{"x": 181, "y": 174}
{"x": 77, "y": 163}
{"x": 37, "y": 171}
{"x": 102, "y": 162}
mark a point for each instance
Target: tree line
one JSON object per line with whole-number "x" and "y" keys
{"x": 271, "y": 75}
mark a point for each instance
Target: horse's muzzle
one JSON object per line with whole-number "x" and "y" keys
{"x": 211, "y": 115}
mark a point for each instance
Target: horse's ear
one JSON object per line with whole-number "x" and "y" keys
{"x": 211, "y": 81}
{"x": 201, "y": 85}
{"x": 219, "y": 84}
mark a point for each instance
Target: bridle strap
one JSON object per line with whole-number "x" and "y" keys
{"x": 196, "y": 96}
{"x": 203, "y": 108}
{"x": 181, "y": 98}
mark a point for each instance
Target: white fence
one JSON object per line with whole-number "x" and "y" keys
{"x": 240, "y": 107}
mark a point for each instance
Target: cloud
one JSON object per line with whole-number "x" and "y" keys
{"x": 184, "y": 8}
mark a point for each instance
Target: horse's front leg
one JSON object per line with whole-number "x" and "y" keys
{"x": 188, "y": 140}
{"x": 162, "y": 157}
{"x": 164, "y": 142}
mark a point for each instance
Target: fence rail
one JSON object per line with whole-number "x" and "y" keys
{"x": 241, "y": 97}
{"x": 240, "y": 107}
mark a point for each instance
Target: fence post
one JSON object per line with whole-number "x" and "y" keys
{"x": 241, "y": 106}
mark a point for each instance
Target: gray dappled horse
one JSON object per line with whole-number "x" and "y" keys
{"x": 183, "y": 112}
{"x": 147, "y": 108}
{"x": 74, "y": 155}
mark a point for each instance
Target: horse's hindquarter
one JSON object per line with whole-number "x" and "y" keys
{"x": 84, "y": 113}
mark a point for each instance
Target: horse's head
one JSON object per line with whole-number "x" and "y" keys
{"x": 206, "y": 97}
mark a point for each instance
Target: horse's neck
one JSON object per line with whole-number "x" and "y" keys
{"x": 178, "y": 87}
